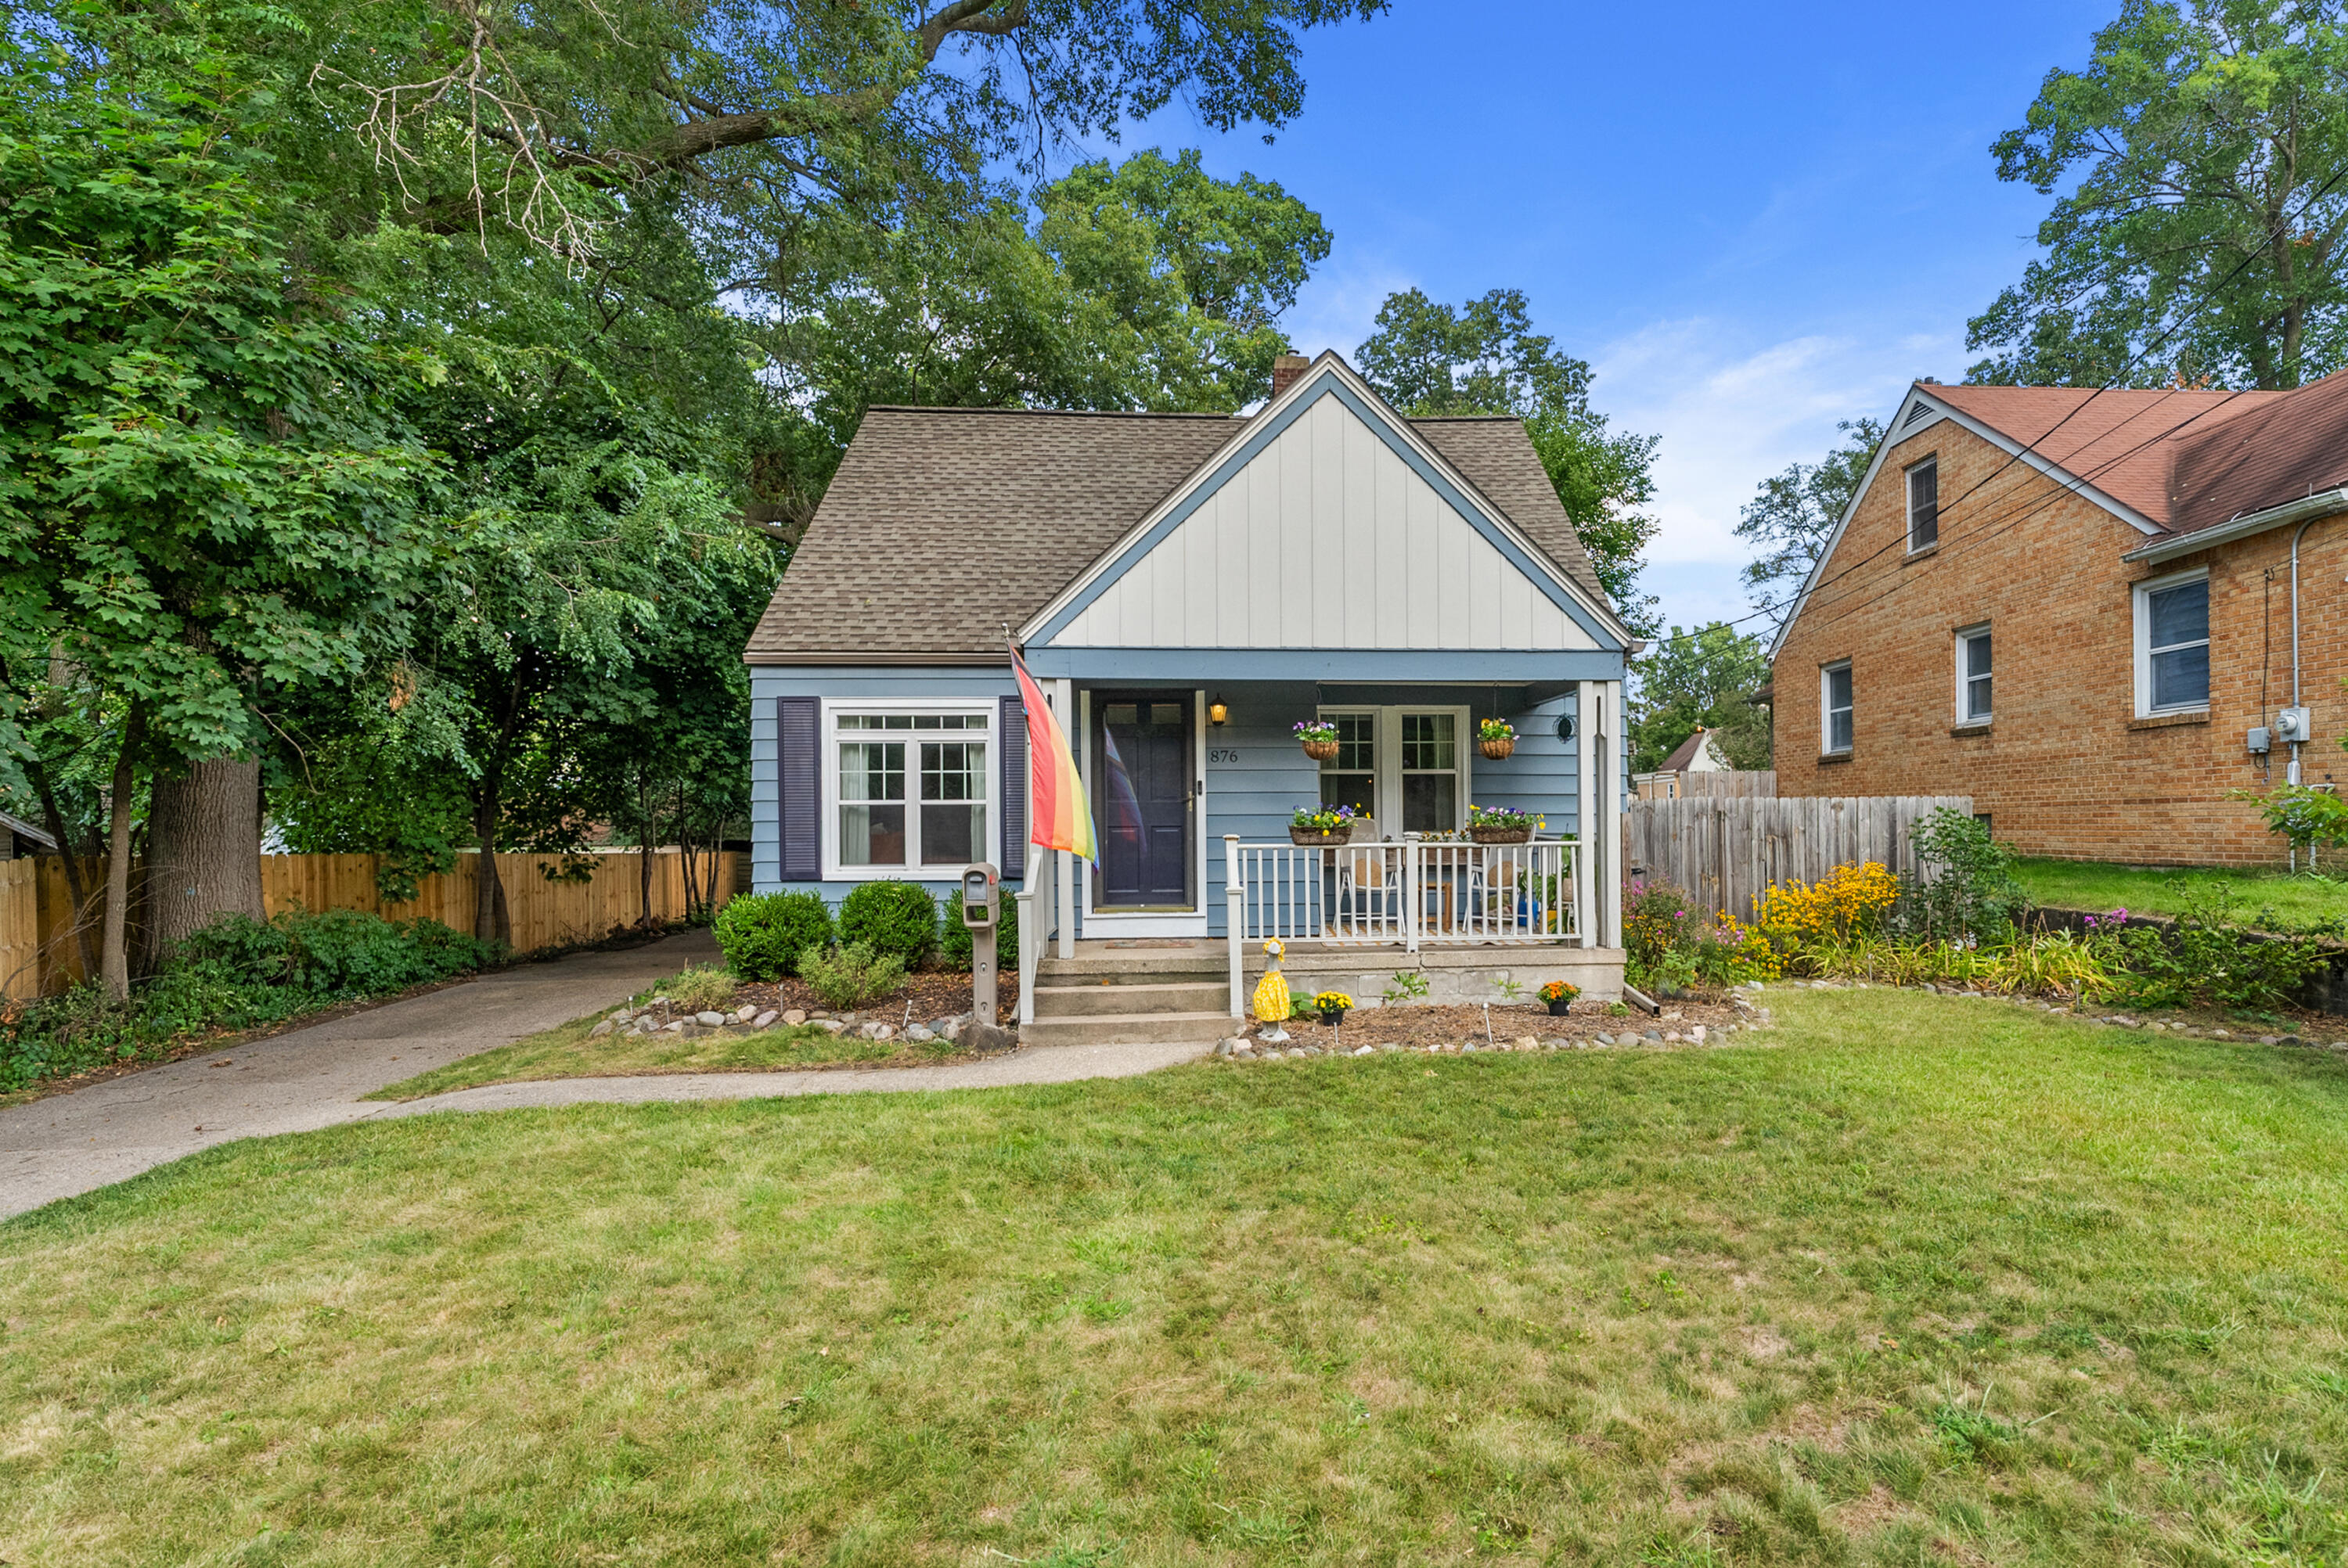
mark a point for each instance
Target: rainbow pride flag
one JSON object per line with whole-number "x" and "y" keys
{"x": 1056, "y": 806}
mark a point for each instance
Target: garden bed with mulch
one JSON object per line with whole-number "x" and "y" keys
{"x": 1417, "y": 1027}
{"x": 931, "y": 995}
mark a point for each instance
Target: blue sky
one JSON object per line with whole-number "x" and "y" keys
{"x": 1752, "y": 220}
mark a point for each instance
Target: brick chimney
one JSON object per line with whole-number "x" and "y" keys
{"x": 1285, "y": 370}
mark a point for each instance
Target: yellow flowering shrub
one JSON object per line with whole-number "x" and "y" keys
{"x": 1848, "y": 902}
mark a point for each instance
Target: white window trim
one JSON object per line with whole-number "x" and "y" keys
{"x": 2141, "y": 598}
{"x": 1908, "y": 495}
{"x": 1964, "y": 636}
{"x": 1826, "y": 711}
{"x": 1390, "y": 755}
{"x": 829, "y": 778}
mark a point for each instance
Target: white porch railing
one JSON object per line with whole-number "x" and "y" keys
{"x": 1410, "y": 893}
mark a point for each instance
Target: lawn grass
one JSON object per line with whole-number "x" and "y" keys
{"x": 2263, "y": 898}
{"x": 1922, "y": 1281}
{"x": 566, "y": 1051}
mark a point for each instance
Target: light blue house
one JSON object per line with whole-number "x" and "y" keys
{"x": 1188, "y": 588}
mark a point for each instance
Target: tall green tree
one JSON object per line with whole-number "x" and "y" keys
{"x": 1705, "y": 677}
{"x": 2198, "y": 235}
{"x": 1792, "y": 514}
{"x": 1150, "y": 284}
{"x": 207, "y": 493}
{"x": 1430, "y": 359}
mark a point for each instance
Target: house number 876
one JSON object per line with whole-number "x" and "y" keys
{"x": 1224, "y": 755}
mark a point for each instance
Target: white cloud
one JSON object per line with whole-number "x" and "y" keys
{"x": 1730, "y": 415}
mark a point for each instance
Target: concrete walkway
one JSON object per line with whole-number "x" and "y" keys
{"x": 306, "y": 1077}
{"x": 314, "y": 1077}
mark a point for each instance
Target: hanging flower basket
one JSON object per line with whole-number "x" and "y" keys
{"x": 1496, "y": 738}
{"x": 1325, "y": 824}
{"x": 1498, "y": 825}
{"x": 1319, "y": 738}
{"x": 1499, "y": 750}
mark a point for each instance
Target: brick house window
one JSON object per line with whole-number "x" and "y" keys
{"x": 1973, "y": 675}
{"x": 1834, "y": 700}
{"x": 2172, "y": 643}
{"x": 1924, "y": 505}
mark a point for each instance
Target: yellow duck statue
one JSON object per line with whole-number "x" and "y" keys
{"x": 1272, "y": 1007}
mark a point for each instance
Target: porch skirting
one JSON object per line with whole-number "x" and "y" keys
{"x": 1454, "y": 975}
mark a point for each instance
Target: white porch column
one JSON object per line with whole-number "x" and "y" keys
{"x": 1234, "y": 923}
{"x": 1609, "y": 794}
{"x": 1585, "y": 814}
{"x": 1064, "y": 708}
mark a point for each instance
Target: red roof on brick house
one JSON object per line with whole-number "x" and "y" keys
{"x": 2183, "y": 458}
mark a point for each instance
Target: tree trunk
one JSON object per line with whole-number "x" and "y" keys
{"x": 66, "y": 852}
{"x": 645, "y": 845}
{"x": 203, "y": 853}
{"x": 114, "y": 947}
{"x": 492, "y": 919}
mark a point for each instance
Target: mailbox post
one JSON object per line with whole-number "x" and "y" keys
{"x": 982, "y": 902}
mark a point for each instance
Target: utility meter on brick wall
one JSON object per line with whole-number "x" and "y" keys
{"x": 2261, "y": 740}
{"x": 2293, "y": 727}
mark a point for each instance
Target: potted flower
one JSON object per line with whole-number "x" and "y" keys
{"x": 1320, "y": 824}
{"x": 1319, "y": 737}
{"x": 1559, "y": 995}
{"x": 1332, "y": 1006}
{"x": 1499, "y": 825}
{"x": 1496, "y": 738}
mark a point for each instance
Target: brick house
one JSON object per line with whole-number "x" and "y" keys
{"x": 2095, "y": 613}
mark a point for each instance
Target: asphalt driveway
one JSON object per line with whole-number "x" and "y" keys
{"x": 306, "y": 1077}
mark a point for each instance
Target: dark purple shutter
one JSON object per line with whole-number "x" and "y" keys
{"x": 1014, "y": 751}
{"x": 800, "y": 786}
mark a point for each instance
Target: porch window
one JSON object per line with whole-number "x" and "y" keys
{"x": 1430, "y": 772}
{"x": 1351, "y": 777}
{"x": 914, "y": 793}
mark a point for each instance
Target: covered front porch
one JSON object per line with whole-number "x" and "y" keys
{"x": 1210, "y": 774}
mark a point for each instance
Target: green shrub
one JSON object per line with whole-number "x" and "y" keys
{"x": 333, "y": 955}
{"x": 2207, "y": 955}
{"x": 850, "y": 975}
{"x": 234, "y": 974}
{"x": 895, "y": 919}
{"x": 1973, "y": 893}
{"x": 763, "y": 934}
{"x": 706, "y": 988}
{"x": 954, "y": 937}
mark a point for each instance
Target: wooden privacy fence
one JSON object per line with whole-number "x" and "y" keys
{"x": 1725, "y": 851}
{"x": 39, "y": 956}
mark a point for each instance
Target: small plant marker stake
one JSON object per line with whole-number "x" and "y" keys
{"x": 1487, "y": 1026}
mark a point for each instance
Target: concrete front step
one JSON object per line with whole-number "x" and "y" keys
{"x": 1132, "y": 1000}
{"x": 1139, "y": 1028}
{"x": 1139, "y": 963}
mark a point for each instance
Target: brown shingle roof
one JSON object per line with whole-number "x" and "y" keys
{"x": 1684, "y": 754}
{"x": 943, "y": 524}
{"x": 2183, "y": 458}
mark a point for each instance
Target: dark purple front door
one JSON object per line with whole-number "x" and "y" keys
{"x": 1142, "y": 799}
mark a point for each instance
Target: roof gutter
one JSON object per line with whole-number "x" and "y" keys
{"x": 2322, "y": 504}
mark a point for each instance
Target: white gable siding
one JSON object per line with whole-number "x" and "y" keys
{"x": 1327, "y": 539}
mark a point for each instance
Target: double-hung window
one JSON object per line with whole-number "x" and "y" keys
{"x": 1973, "y": 675}
{"x": 910, "y": 790}
{"x": 1923, "y": 504}
{"x": 1835, "y": 707}
{"x": 2172, "y": 645}
{"x": 1430, "y": 772}
{"x": 1351, "y": 777}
